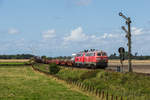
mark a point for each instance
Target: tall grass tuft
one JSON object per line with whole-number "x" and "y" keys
{"x": 54, "y": 68}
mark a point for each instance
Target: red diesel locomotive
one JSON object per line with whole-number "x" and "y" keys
{"x": 94, "y": 59}
{"x": 87, "y": 58}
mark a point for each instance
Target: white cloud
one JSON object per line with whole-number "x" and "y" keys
{"x": 49, "y": 34}
{"x": 77, "y": 40}
{"x": 109, "y": 35}
{"x": 13, "y": 31}
{"x": 84, "y": 2}
{"x": 76, "y": 35}
{"x": 137, "y": 31}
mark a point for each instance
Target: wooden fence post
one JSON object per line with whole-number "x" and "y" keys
{"x": 112, "y": 97}
{"x": 99, "y": 93}
{"x": 107, "y": 96}
{"x": 116, "y": 97}
{"x": 71, "y": 81}
{"x": 81, "y": 85}
{"x": 88, "y": 89}
{"x": 92, "y": 89}
{"x": 103, "y": 95}
{"x": 96, "y": 92}
{"x": 121, "y": 98}
{"x": 85, "y": 87}
{"x": 77, "y": 83}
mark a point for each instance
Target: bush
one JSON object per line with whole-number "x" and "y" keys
{"x": 53, "y": 68}
{"x": 88, "y": 75}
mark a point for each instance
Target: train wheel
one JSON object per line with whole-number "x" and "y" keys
{"x": 81, "y": 65}
{"x": 105, "y": 65}
{"x": 75, "y": 65}
{"x": 93, "y": 66}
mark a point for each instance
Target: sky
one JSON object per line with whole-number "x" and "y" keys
{"x": 62, "y": 27}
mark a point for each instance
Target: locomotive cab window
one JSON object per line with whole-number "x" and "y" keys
{"x": 104, "y": 54}
{"x": 78, "y": 55}
{"x": 99, "y": 54}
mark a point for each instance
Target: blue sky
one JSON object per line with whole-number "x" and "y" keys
{"x": 62, "y": 27}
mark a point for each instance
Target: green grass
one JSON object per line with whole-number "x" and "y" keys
{"x": 22, "y": 83}
{"x": 43, "y": 67}
{"x": 127, "y": 85}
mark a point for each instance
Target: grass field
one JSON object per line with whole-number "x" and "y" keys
{"x": 22, "y": 83}
{"x": 14, "y": 63}
{"x": 14, "y": 60}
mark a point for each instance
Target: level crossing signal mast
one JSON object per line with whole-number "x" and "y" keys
{"x": 128, "y": 36}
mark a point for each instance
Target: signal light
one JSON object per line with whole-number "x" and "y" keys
{"x": 120, "y": 14}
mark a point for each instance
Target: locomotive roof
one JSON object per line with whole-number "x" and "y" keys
{"x": 90, "y": 51}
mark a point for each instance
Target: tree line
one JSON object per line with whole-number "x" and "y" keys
{"x": 133, "y": 56}
{"x": 17, "y": 56}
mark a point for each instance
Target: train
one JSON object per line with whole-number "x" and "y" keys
{"x": 88, "y": 58}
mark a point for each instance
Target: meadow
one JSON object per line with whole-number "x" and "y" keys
{"x": 23, "y": 83}
{"x": 14, "y": 60}
{"x": 129, "y": 85}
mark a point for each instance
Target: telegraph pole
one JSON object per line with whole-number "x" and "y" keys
{"x": 128, "y": 36}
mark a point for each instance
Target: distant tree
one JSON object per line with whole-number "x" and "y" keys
{"x": 17, "y": 56}
{"x": 49, "y": 58}
{"x": 43, "y": 57}
{"x": 115, "y": 54}
{"x": 135, "y": 54}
